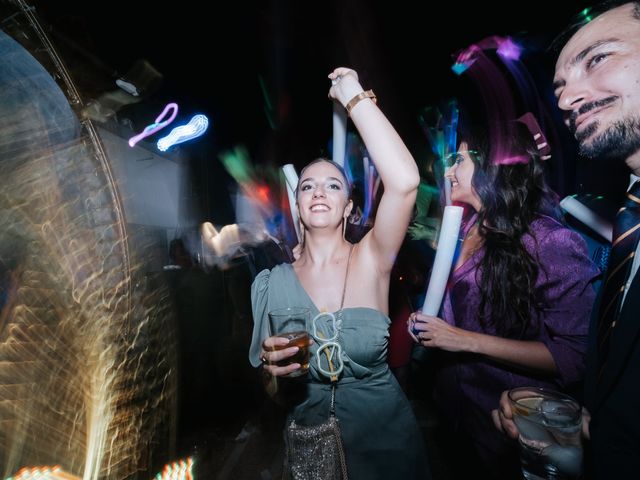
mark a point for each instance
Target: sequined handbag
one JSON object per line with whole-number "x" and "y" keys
{"x": 316, "y": 452}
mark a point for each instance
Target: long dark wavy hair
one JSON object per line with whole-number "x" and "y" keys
{"x": 512, "y": 197}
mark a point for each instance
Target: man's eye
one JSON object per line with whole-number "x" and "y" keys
{"x": 597, "y": 59}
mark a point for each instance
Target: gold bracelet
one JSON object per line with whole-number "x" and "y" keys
{"x": 354, "y": 101}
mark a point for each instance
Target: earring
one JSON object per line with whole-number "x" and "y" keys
{"x": 344, "y": 228}
{"x": 301, "y": 233}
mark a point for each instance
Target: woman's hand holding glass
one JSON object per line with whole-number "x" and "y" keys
{"x": 324, "y": 330}
{"x": 275, "y": 351}
{"x": 290, "y": 325}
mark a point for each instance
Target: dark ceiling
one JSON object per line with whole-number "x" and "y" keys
{"x": 258, "y": 69}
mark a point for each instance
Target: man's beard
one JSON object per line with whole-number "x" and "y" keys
{"x": 620, "y": 140}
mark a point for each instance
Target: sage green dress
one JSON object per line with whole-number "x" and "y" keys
{"x": 380, "y": 433}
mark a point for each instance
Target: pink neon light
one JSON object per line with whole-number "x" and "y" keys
{"x": 157, "y": 125}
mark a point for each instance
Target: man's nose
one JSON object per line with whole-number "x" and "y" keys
{"x": 573, "y": 96}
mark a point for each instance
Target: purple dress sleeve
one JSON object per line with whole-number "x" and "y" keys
{"x": 565, "y": 279}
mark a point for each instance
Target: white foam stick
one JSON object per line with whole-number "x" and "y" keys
{"x": 294, "y": 212}
{"x": 367, "y": 185}
{"x": 291, "y": 178}
{"x": 371, "y": 187}
{"x": 339, "y": 133}
{"x": 587, "y": 216}
{"x": 447, "y": 243}
{"x": 365, "y": 167}
{"x": 371, "y": 179}
{"x": 447, "y": 191}
{"x": 376, "y": 186}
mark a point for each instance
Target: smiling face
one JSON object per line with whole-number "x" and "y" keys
{"x": 323, "y": 196}
{"x": 597, "y": 84}
{"x": 460, "y": 173}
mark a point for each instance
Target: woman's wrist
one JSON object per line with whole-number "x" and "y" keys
{"x": 347, "y": 87}
{"x": 359, "y": 97}
{"x": 473, "y": 343}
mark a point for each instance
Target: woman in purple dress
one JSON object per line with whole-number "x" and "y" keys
{"x": 517, "y": 306}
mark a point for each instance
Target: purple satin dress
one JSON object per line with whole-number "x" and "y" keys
{"x": 469, "y": 386}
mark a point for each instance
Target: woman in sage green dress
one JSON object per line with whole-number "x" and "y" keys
{"x": 379, "y": 430}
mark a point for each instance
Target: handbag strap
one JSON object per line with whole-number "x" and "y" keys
{"x": 334, "y": 378}
{"x": 346, "y": 276}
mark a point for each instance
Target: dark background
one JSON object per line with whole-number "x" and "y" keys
{"x": 226, "y": 59}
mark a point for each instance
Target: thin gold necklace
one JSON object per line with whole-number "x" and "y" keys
{"x": 471, "y": 232}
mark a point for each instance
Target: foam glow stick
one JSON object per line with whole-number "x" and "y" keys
{"x": 365, "y": 166}
{"x": 339, "y": 133}
{"x": 447, "y": 243}
{"x": 587, "y": 216}
{"x": 195, "y": 128}
{"x": 447, "y": 191}
{"x": 291, "y": 178}
{"x": 376, "y": 186}
{"x": 157, "y": 125}
{"x": 367, "y": 189}
{"x": 370, "y": 192}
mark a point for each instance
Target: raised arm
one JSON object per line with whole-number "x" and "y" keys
{"x": 396, "y": 166}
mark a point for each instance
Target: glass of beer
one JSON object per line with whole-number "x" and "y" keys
{"x": 292, "y": 323}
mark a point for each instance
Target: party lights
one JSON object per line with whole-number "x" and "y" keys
{"x": 43, "y": 473}
{"x": 159, "y": 124}
{"x": 505, "y": 47}
{"x": 195, "y": 128}
{"x": 181, "y": 470}
{"x": 508, "y": 49}
{"x": 442, "y": 132}
{"x": 586, "y": 14}
{"x": 459, "y": 68}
